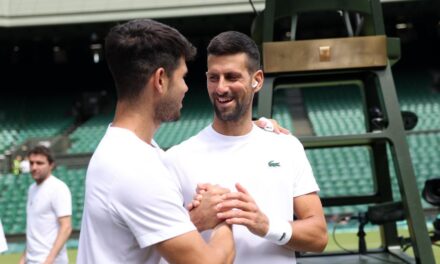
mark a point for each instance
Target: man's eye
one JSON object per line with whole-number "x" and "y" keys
{"x": 212, "y": 78}
{"x": 233, "y": 77}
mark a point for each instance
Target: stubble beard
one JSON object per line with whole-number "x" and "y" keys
{"x": 167, "y": 111}
{"x": 40, "y": 178}
{"x": 234, "y": 115}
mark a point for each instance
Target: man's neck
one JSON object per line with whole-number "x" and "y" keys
{"x": 43, "y": 180}
{"x": 232, "y": 128}
{"x": 139, "y": 121}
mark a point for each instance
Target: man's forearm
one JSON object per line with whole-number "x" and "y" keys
{"x": 308, "y": 235}
{"x": 22, "y": 258}
{"x": 309, "y": 231}
{"x": 222, "y": 240}
{"x": 61, "y": 239}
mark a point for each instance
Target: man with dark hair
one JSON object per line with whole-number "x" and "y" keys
{"x": 49, "y": 211}
{"x": 133, "y": 210}
{"x": 270, "y": 172}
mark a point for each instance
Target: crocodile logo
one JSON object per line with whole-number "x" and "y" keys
{"x": 273, "y": 164}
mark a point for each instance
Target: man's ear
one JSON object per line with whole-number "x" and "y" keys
{"x": 52, "y": 166}
{"x": 160, "y": 80}
{"x": 258, "y": 78}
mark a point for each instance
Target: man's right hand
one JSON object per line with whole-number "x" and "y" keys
{"x": 203, "y": 211}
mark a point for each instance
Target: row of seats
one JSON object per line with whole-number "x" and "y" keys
{"x": 196, "y": 115}
{"x": 339, "y": 171}
{"x": 338, "y": 175}
{"x": 336, "y": 111}
{"x": 281, "y": 112}
{"x": 13, "y": 195}
{"x": 86, "y": 137}
{"x": 19, "y": 119}
{"x": 339, "y": 111}
{"x": 416, "y": 94}
{"x": 342, "y": 171}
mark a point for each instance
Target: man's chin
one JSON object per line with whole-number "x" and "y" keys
{"x": 39, "y": 179}
{"x": 227, "y": 116}
{"x": 172, "y": 119}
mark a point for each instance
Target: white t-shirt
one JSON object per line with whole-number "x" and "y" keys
{"x": 3, "y": 245}
{"x": 46, "y": 203}
{"x": 132, "y": 202}
{"x": 273, "y": 168}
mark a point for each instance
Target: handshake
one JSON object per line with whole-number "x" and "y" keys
{"x": 213, "y": 204}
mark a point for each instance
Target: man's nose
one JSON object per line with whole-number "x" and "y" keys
{"x": 222, "y": 86}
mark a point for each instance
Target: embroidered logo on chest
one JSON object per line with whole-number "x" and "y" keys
{"x": 273, "y": 164}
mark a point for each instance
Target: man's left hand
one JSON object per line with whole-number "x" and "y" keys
{"x": 202, "y": 209}
{"x": 271, "y": 125}
{"x": 239, "y": 208}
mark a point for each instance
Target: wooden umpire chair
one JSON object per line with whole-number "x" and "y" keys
{"x": 363, "y": 58}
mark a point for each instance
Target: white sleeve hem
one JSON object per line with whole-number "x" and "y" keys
{"x": 307, "y": 191}
{"x": 147, "y": 240}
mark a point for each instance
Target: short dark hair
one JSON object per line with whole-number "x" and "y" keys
{"x": 233, "y": 42}
{"x": 135, "y": 49}
{"x": 42, "y": 150}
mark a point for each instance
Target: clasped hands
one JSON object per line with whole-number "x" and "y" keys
{"x": 213, "y": 204}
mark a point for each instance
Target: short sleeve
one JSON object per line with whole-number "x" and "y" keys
{"x": 62, "y": 201}
{"x": 151, "y": 206}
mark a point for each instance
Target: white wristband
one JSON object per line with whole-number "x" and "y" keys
{"x": 280, "y": 231}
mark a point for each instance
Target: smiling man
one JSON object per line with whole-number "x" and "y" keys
{"x": 270, "y": 172}
{"x": 49, "y": 210}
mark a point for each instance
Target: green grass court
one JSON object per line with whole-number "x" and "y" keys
{"x": 347, "y": 239}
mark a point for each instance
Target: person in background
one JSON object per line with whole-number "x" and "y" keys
{"x": 48, "y": 212}
{"x": 25, "y": 167}
{"x": 16, "y": 165}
